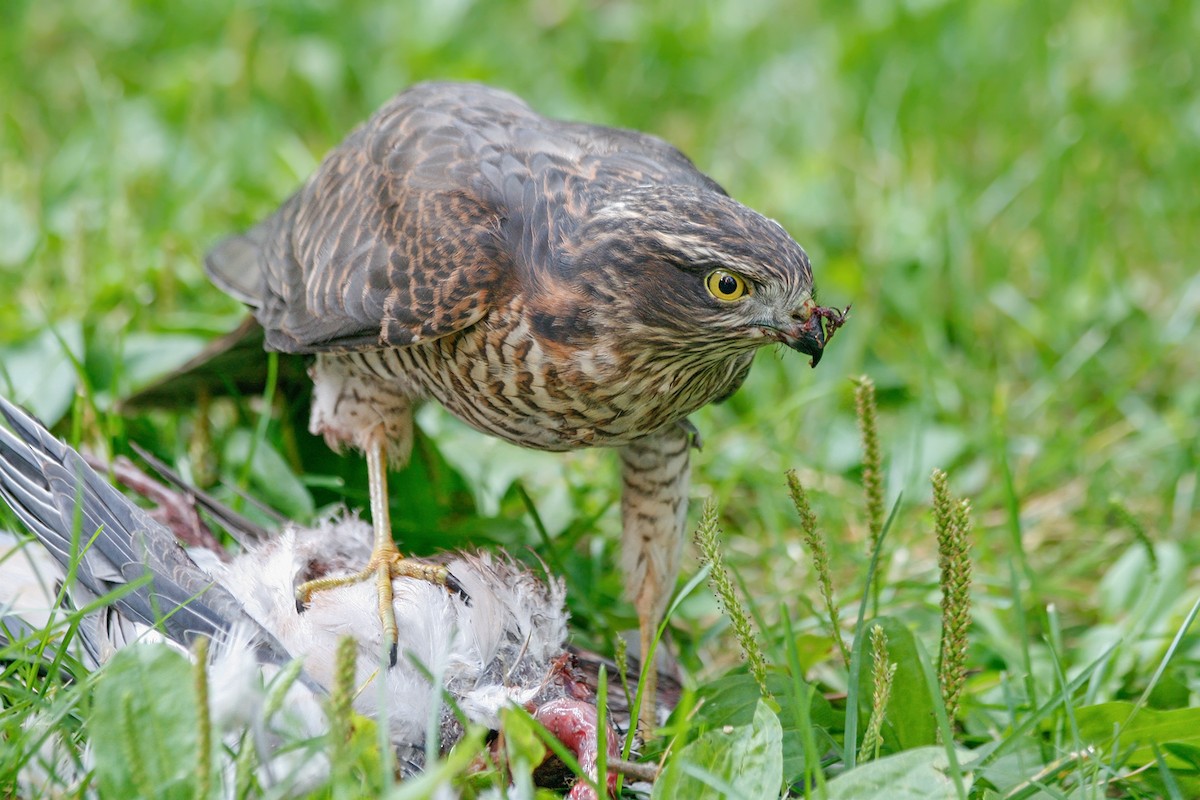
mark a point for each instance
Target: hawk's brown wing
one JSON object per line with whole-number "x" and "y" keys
{"x": 413, "y": 226}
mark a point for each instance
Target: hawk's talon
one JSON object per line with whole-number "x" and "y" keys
{"x": 455, "y": 587}
{"x": 693, "y": 434}
{"x": 384, "y": 567}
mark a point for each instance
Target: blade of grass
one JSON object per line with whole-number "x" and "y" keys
{"x": 943, "y": 721}
{"x": 602, "y": 730}
{"x": 988, "y": 753}
{"x": 261, "y": 426}
{"x": 1018, "y": 561}
{"x": 1054, "y": 646}
{"x": 440, "y": 772}
{"x": 802, "y": 709}
{"x": 559, "y": 749}
{"x": 850, "y": 742}
{"x": 648, "y": 658}
{"x": 1162, "y": 666}
{"x": 1038, "y": 785}
{"x": 1164, "y": 773}
{"x": 549, "y": 549}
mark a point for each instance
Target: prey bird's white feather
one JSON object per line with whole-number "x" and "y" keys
{"x": 499, "y": 649}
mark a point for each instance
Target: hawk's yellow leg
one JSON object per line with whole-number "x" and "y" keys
{"x": 654, "y": 474}
{"x": 385, "y": 563}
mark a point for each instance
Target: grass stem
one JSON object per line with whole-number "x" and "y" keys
{"x": 708, "y": 539}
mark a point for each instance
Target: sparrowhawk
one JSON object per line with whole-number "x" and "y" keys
{"x": 556, "y": 284}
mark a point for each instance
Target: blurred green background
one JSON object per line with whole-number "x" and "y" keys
{"x": 1006, "y": 192}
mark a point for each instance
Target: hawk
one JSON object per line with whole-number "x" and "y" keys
{"x": 557, "y": 284}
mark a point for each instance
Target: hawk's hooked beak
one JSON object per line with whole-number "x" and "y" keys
{"x": 810, "y": 334}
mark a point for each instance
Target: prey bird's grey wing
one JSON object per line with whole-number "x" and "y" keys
{"x": 427, "y": 215}
{"x": 83, "y": 520}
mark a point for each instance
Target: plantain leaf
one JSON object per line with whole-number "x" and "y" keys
{"x": 909, "y": 720}
{"x": 270, "y": 475}
{"x": 918, "y": 774}
{"x": 38, "y": 372}
{"x": 143, "y": 725}
{"x": 1177, "y": 732}
{"x": 729, "y": 762}
{"x": 733, "y": 700}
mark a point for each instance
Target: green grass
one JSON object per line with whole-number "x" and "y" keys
{"x": 1006, "y": 193}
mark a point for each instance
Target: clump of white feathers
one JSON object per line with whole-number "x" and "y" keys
{"x": 501, "y": 648}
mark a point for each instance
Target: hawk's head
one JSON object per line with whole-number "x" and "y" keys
{"x": 692, "y": 270}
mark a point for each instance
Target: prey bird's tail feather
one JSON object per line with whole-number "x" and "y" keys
{"x": 244, "y": 531}
{"x": 88, "y": 525}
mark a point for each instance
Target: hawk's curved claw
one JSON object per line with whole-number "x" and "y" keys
{"x": 693, "y": 433}
{"x": 455, "y": 587}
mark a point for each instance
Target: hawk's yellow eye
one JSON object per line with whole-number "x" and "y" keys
{"x": 725, "y": 285}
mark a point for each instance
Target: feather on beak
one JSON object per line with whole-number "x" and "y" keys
{"x": 812, "y": 329}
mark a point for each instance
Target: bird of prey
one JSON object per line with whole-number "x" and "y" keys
{"x": 507, "y": 647}
{"x": 556, "y": 284}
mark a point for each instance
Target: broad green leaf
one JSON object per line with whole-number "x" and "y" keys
{"x": 39, "y": 375}
{"x": 731, "y": 762}
{"x": 1012, "y": 769}
{"x": 521, "y": 742}
{"x": 147, "y": 356}
{"x": 909, "y": 720}
{"x": 19, "y": 232}
{"x": 143, "y": 724}
{"x": 919, "y": 774}
{"x": 1167, "y": 729}
{"x": 733, "y": 700}
{"x": 1132, "y": 593}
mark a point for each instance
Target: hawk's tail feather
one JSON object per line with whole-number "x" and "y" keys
{"x": 234, "y": 265}
{"x": 233, "y": 364}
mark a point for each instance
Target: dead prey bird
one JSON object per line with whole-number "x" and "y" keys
{"x": 506, "y": 648}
